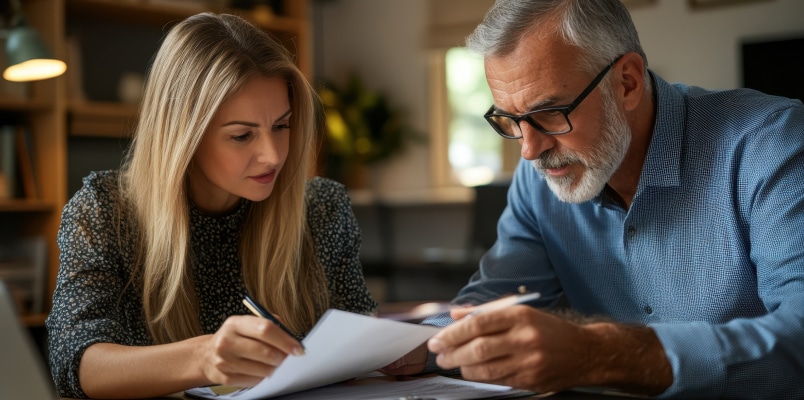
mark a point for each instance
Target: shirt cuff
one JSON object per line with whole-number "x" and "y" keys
{"x": 694, "y": 353}
{"x": 432, "y": 367}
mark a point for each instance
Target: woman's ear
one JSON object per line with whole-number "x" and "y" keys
{"x": 630, "y": 85}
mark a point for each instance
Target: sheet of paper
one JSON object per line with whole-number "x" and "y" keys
{"x": 341, "y": 346}
{"x": 437, "y": 387}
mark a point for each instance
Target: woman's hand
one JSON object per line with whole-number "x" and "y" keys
{"x": 245, "y": 350}
{"x": 409, "y": 364}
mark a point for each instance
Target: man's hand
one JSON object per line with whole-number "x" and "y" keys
{"x": 517, "y": 346}
{"x": 523, "y": 347}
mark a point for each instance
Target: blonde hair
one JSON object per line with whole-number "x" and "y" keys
{"x": 202, "y": 61}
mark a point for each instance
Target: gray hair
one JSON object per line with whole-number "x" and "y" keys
{"x": 602, "y": 29}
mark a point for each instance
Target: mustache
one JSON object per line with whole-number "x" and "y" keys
{"x": 550, "y": 159}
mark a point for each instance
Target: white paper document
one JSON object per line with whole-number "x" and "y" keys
{"x": 436, "y": 387}
{"x": 341, "y": 346}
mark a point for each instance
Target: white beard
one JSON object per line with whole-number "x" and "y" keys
{"x": 599, "y": 165}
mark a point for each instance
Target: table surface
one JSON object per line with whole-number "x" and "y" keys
{"x": 581, "y": 394}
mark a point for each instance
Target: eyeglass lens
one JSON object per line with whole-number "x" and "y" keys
{"x": 548, "y": 121}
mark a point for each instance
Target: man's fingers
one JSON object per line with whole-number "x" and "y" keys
{"x": 479, "y": 350}
{"x": 466, "y": 329}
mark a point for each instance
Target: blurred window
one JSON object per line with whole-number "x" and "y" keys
{"x": 465, "y": 149}
{"x": 474, "y": 151}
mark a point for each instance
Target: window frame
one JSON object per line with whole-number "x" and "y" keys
{"x": 440, "y": 115}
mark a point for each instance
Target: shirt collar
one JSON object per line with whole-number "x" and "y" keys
{"x": 662, "y": 165}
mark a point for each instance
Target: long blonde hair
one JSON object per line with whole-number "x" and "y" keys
{"x": 202, "y": 61}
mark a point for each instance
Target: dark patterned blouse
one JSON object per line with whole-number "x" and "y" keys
{"x": 93, "y": 303}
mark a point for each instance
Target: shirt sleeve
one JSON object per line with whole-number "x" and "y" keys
{"x": 337, "y": 237}
{"x": 85, "y": 303}
{"x": 518, "y": 258}
{"x": 761, "y": 356}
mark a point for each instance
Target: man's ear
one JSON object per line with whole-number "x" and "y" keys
{"x": 630, "y": 83}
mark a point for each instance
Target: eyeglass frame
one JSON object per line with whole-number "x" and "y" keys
{"x": 564, "y": 110}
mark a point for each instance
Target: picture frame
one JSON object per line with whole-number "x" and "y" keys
{"x": 717, "y": 3}
{"x": 637, "y": 3}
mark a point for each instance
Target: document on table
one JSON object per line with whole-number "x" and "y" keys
{"x": 341, "y": 346}
{"x": 436, "y": 388}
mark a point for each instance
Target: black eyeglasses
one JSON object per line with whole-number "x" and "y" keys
{"x": 548, "y": 120}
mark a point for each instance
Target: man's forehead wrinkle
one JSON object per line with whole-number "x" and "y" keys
{"x": 518, "y": 98}
{"x": 520, "y": 88}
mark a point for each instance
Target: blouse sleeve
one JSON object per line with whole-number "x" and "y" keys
{"x": 337, "y": 237}
{"x": 86, "y": 303}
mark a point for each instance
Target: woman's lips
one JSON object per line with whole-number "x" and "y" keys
{"x": 264, "y": 178}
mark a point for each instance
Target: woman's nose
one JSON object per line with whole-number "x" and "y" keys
{"x": 267, "y": 149}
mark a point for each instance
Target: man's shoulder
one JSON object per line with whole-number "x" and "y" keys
{"x": 721, "y": 104}
{"x": 738, "y": 114}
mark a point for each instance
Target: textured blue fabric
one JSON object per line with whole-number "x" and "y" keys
{"x": 710, "y": 254}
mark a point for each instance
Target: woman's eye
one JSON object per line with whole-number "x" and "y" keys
{"x": 280, "y": 127}
{"x": 241, "y": 138}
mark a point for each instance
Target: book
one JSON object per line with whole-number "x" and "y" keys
{"x": 8, "y": 162}
{"x": 25, "y": 159}
{"x": 23, "y": 268}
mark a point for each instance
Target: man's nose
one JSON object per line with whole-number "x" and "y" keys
{"x": 534, "y": 142}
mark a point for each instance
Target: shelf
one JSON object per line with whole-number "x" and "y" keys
{"x": 23, "y": 104}
{"x": 23, "y": 205}
{"x": 97, "y": 109}
{"x": 101, "y": 119}
{"x": 32, "y": 320}
{"x": 162, "y": 13}
{"x": 447, "y": 196}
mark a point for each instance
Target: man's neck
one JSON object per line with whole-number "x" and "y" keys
{"x": 625, "y": 180}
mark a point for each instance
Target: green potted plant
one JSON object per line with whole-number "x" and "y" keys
{"x": 362, "y": 128}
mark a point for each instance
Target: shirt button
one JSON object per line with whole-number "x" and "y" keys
{"x": 648, "y": 310}
{"x": 631, "y": 231}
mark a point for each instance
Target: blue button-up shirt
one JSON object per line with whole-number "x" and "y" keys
{"x": 710, "y": 253}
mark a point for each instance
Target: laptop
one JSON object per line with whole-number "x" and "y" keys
{"x": 22, "y": 370}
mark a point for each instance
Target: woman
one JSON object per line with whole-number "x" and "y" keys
{"x": 213, "y": 201}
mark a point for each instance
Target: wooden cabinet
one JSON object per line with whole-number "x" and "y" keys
{"x": 60, "y": 112}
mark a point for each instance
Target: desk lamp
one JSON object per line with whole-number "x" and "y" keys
{"x": 28, "y": 58}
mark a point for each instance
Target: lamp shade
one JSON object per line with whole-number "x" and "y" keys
{"x": 28, "y": 58}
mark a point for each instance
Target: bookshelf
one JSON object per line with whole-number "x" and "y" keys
{"x": 60, "y": 112}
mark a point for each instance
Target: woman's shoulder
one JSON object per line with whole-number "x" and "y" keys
{"x": 327, "y": 200}
{"x": 323, "y": 191}
{"x": 102, "y": 179}
{"x": 99, "y": 191}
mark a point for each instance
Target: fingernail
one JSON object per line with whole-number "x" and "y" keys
{"x": 434, "y": 345}
{"x": 298, "y": 351}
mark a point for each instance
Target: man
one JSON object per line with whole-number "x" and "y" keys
{"x": 672, "y": 212}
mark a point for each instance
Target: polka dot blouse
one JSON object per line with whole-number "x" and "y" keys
{"x": 93, "y": 302}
